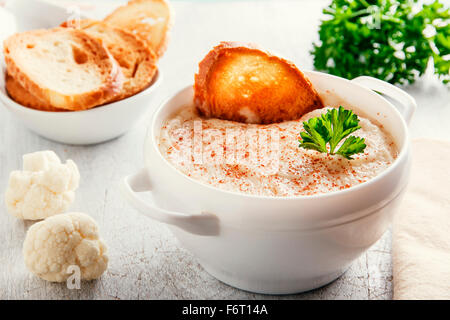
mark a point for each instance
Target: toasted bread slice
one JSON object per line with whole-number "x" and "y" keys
{"x": 135, "y": 58}
{"x": 241, "y": 82}
{"x": 23, "y": 97}
{"x": 65, "y": 68}
{"x": 150, "y": 20}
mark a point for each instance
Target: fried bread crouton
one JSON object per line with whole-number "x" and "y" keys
{"x": 242, "y": 82}
{"x": 23, "y": 97}
{"x": 136, "y": 60}
{"x": 64, "y": 68}
{"x": 150, "y": 20}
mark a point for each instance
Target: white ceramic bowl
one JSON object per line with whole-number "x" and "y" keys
{"x": 88, "y": 126}
{"x": 278, "y": 245}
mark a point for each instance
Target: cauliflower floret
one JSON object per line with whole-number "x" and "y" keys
{"x": 44, "y": 188}
{"x": 69, "y": 239}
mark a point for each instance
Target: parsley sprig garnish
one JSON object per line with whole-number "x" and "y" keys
{"x": 331, "y": 128}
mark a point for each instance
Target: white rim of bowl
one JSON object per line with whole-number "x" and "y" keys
{"x": 402, "y": 154}
{"x": 157, "y": 78}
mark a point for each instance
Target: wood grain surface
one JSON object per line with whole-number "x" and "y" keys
{"x": 146, "y": 261}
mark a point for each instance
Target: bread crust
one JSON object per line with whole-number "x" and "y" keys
{"x": 139, "y": 26}
{"x": 99, "y": 59}
{"x": 23, "y": 97}
{"x": 284, "y": 93}
{"x": 136, "y": 60}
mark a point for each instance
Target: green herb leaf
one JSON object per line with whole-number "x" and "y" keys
{"x": 351, "y": 146}
{"x": 316, "y": 135}
{"x": 340, "y": 123}
{"x": 332, "y": 127}
{"x": 386, "y": 39}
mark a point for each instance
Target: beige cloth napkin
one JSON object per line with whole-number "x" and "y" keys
{"x": 421, "y": 230}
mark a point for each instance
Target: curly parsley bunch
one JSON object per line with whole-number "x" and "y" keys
{"x": 392, "y": 40}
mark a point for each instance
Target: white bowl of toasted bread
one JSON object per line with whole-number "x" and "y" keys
{"x": 86, "y": 81}
{"x": 88, "y": 126}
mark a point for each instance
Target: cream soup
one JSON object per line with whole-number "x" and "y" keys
{"x": 266, "y": 159}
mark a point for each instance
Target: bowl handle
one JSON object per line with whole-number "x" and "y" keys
{"x": 408, "y": 102}
{"x": 204, "y": 224}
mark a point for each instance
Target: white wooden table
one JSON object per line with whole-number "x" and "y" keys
{"x": 146, "y": 261}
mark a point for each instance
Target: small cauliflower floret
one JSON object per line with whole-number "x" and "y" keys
{"x": 71, "y": 239}
{"x": 43, "y": 188}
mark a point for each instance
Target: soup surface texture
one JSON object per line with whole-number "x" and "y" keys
{"x": 266, "y": 160}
